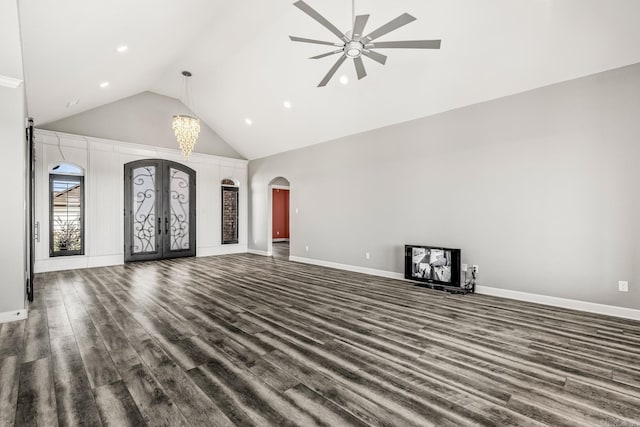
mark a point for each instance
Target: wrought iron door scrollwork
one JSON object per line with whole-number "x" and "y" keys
{"x": 144, "y": 218}
{"x": 179, "y": 203}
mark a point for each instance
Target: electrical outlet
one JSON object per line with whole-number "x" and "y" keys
{"x": 476, "y": 268}
{"x": 465, "y": 267}
{"x": 306, "y": 248}
{"x": 297, "y": 210}
{"x": 367, "y": 255}
{"x": 623, "y": 286}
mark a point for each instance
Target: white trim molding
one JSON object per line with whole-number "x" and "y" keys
{"x": 63, "y": 139}
{"x": 221, "y": 250}
{"x": 257, "y": 252}
{"x": 354, "y": 268}
{"x": 10, "y": 82}
{"x": 15, "y": 315}
{"x": 590, "y": 307}
{"x": 77, "y": 262}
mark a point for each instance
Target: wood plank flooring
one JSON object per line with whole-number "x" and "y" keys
{"x": 249, "y": 340}
{"x": 281, "y": 250}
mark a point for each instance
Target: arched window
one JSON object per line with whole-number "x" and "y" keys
{"x": 229, "y": 211}
{"x": 66, "y": 210}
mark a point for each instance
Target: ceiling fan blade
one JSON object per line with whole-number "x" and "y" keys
{"x": 358, "y": 26}
{"x": 332, "y": 71}
{"x": 378, "y": 57}
{"x": 303, "y": 40}
{"x": 362, "y": 73}
{"x": 408, "y": 44}
{"x": 324, "y": 55}
{"x": 400, "y": 21}
{"x": 320, "y": 19}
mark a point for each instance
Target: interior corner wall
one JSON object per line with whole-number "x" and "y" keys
{"x": 540, "y": 189}
{"x": 12, "y": 247}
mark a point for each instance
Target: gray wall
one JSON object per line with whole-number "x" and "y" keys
{"x": 12, "y": 141}
{"x": 144, "y": 118}
{"x": 539, "y": 189}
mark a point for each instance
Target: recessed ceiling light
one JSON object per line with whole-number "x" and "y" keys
{"x": 287, "y": 104}
{"x": 122, "y": 48}
{"x": 344, "y": 80}
{"x": 104, "y": 84}
{"x": 249, "y": 122}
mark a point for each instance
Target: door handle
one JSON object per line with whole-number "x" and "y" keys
{"x": 166, "y": 225}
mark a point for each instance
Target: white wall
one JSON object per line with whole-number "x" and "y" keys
{"x": 540, "y": 189}
{"x": 10, "y": 49}
{"x": 12, "y": 247}
{"x": 103, "y": 161}
{"x": 13, "y": 171}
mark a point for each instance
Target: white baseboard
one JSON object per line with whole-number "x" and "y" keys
{"x": 105, "y": 261}
{"x": 222, "y": 250}
{"x": 12, "y": 316}
{"x": 591, "y": 307}
{"x": 83, "y": 261}
{"x": 60, "y": 263}
{"x": 279, "y": 240}
{"x": 77, "y": 262}
{"x": 354, "y": 268}
{"x": 257, "y": 252}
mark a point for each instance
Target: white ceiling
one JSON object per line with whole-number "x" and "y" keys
{"x": 244, "y": 65}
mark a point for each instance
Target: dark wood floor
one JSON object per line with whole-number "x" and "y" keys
{"x": 281, "y": 250}
{"x": 250, "y": 340}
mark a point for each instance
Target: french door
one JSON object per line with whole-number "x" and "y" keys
{"x": 159, "y": 210}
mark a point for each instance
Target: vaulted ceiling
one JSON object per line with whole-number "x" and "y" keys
{"x": 244, "y": 65}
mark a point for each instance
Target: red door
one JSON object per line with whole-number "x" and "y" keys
{"x": 280, "y": 226}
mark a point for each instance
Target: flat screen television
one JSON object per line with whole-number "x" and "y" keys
{"x": 431, "y": 264}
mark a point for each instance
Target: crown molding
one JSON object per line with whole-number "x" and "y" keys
{"x": 10, "y": 82}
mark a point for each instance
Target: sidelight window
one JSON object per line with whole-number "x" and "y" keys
{"x": 66, "y": 210}
{"x": 229, "y": 212}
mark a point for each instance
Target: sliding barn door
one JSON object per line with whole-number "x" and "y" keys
{"x": 159, "y": 210}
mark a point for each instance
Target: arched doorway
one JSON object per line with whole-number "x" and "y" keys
{"x": 278, "y": 228}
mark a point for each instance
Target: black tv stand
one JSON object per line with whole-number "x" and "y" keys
{"x": 469, "y": 289}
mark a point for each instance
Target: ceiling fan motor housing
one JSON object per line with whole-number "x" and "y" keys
{"x": 353, "y": 49}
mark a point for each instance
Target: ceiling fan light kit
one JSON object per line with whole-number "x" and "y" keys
{"x": 354, "y": 44}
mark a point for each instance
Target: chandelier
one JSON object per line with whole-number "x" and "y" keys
{"x": 186, "y": 128}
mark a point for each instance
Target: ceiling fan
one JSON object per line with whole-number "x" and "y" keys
{"x": 354, "y": 43}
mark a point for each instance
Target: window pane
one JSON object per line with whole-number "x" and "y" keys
{"x": 179, "y": 202}
{"x": 144, "y": 205}
{"x": 229, "y": 215}
{"x": 67, "y": 169}
{"x": 66, "y": 215}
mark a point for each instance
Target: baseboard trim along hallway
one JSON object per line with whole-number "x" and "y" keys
{"x": 590, "y": 307}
